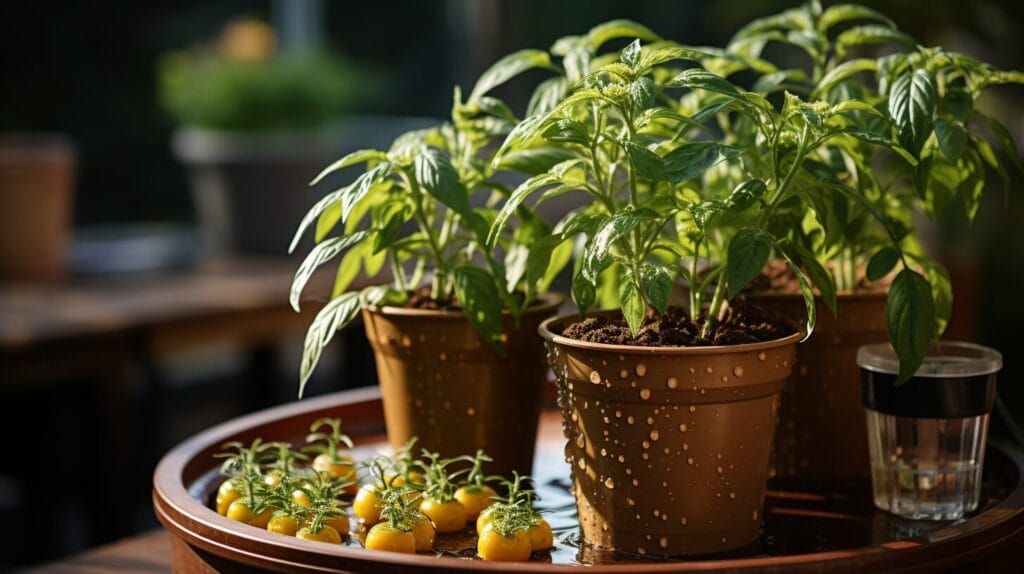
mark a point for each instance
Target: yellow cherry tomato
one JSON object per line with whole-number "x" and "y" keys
{"x": 239, "y": 511}
{"x": 475, "y": 499}
{"x": 262, "y": 519}
{"x": 540, "y": 535}
{"x": 411, "y": 477}
{"x": 367, "y": 505}
{"x": 300, "y": 498}
{"x": 287, "y": 525}
{"x": 447, "y": 516}
{"x": 423, "y": 532}
{"x": 345, "y": 469}
{"x": 485, "y": 518}
{"x": 227, "y": 493}
{"x": 272, "y": 479}
{"x": 385, "y": 537}
{"x": 339, "y": 523}
{"x": 326, "y": 534}
{"x": 494, "y": 546}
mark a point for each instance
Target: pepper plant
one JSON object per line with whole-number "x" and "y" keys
{"x": 411, "y": 210}
{"x": 861, "y": 206}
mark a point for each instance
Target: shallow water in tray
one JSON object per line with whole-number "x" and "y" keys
{"x": 798, "y": 519}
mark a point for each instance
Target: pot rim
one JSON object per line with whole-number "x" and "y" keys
{"x": 550, "y": 336}
{"x": 545, "y": 303}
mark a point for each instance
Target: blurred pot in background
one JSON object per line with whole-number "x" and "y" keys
{"x": 258, "y": 126}
{"x": 36, "y": 190}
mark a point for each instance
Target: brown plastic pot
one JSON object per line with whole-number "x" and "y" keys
{"x": 669, "y": 446}
{"x": 441, "y": 382}
{"x": 822, "y": 433}
{"x": 36, "y": 190}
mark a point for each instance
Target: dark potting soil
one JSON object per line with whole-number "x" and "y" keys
{"x": 421, "y": 299}
{"x": 741, "y": 324}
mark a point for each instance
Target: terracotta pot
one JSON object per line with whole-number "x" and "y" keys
{"x": 36, "y": 190}
{"x": 822, "y": 433}
{"x": 669, "y": 446}
{"x": 441, "y": 382}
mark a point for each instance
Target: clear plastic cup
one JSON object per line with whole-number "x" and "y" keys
{"x": 926, "y": 438}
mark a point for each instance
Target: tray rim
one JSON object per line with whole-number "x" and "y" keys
{"x": 202, "y": 527}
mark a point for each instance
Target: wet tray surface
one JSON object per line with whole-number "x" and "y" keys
{"x": 805, "y": 526}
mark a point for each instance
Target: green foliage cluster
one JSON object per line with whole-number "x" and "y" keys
{"x": 204, "y": 88}
{"x": 690, "y": 173}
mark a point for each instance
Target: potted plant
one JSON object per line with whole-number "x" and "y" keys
{"x": 678, "y": 401}
{"x": 256, "y": 122}
{"x": 454, "y": 333}
{"x": 859, "y": 224}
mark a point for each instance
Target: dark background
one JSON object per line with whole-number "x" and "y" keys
{"x": 88, "y": 69}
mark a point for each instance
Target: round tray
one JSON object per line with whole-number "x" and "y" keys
{"x": 807, "y": 528}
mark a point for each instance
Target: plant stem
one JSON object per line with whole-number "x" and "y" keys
{"x": 694, "y": 284}
{"x": 714, "y": 308}
{"x": 437, "y": 288}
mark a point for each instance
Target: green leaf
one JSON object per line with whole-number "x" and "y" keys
{"x": 646, "y": 163}
{"x": 748, "y": 253}
{"x": 873, "y": 138}
{"x": 1005, "y": 139}
{"x": 942, "y": 294}
{"x": 952, "y": 138}
{"x": 327, "y": 202}
{"x": 348, "y": 269}
{"x": 335, "y": 315}
{"x": 602, "y": 33}
{"x": 808, "y": 294}
{"x": 509, "y": 67}
{"x": 547, "y": 95}
{"x": 393, "y": 214}
{"x": 547, "y": 257}
{"x": 860, "y": 35}
{"x": 438, "y": 177}
{"x": 320, "y": 254}
{"x": 840, "y": 13}
{"x": 631, "y": 301}
{"x": 657, "y": 284}
{"x": 584, "y": 292}
{"x": 567, "y": 131}
{"x": 631, "y": 54}
{"x": 745, "y": 195}
{"x": 690, "y": 160}
{"x": 328, "y": 218}
{"x": 911, "y": 106}
{"x": 910, "y": 314}
{"x": 642, "y": 92}
{"x": 855, "y": 106}
{"x": 844, "y": 71}
{"x": 882, "y": 262}
{"x": 358, "y": 156}
{"x": 535, "y": 160}
{"x": 481, "y": 302}
{"x": 516, "y": 199}
{"x": 697, "y": 78}
{"x": 596, "y": 256}
{"x": 655, "y": 55}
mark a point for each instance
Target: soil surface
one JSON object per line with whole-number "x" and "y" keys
{"x": 421, "y": 299}
{"x": 742, "y": 324}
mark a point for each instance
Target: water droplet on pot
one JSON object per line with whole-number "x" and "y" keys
{"x": 623, "y": 374}
{"x": 580, "y": 441}
{"x": 732, "y": 495}
{"x": 693, "y": 409}
{"x": 708, "y": 369}
{"x": 443, "y": 356}
{"x": 582, "y": 464}
{"x": 622, "y": 458}
{"x": 650, "y": 420}
{"x": 689, "y": 461}
{"x": 737, "y": 370}
{"x": 604, "y": 452}
{"x": 630, "y": 501}
{"x": 762, "y": 356}
{"x": 686, "y": 446}
{"x": 630, "y": 419}
{"x": 785, "y": 362}
{"x": 645, "y": 393}
{"x": 641, "y": 369}
{"x": 682, "y": 427}
{"x": 654, "y": 434}
{"x": 720, "y": 470}
{"x": 646, "y": 444}
{"x": 595, "y": 377}
{"x": 656, "y": 513}
{"x": 663, "y": 542}
{"x": 406, "y": 341}
{"x": 609, "y": 483}
{"x": 618, "y": 414}
{"x": 470, "y": 411}
{"x": 641, "y": 550}
{"x": 682, "y": 521}
{"x": 636, "y": 482}
{"x": 755, "y": 514}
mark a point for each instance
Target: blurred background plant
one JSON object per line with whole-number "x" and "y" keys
{"x": 240, "y": 82}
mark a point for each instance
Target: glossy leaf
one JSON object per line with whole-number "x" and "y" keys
{"x": 598, "y": 35}
{"x": 697, "y": 78}
{"x": 910, "y": 315}
{"x": 860, "y": 35}
{"x": 745, "y": 195}
{"x": 319, "y": 255}
{"x": 646, "y": 163}
{"x": 951, "y": 137}
{"x": 356, "y": 157}
{"x": 478, "y": 295}
{"x": 631, "y": 302}
{"x": 844, "y": 71}
{"x": 881, "y": 263}
{"x": 514, "y": 201}
{"x": 810, "y": 305}
{"x": 631, "y": 54}
{"x": 748, "y": 253}
{"x": 507, "y": 68}
{"x": 657, "y": 283}
{"x": 911, "y": 106}
{"x": 336, "y": 314}
{"x": 840, "y": 13}
{"x": 546, "y": 96}
{"x": 689, "y": 160}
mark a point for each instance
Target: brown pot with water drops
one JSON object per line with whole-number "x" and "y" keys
{"x": 442, "y": 383}
{"x": 669, "y": 446}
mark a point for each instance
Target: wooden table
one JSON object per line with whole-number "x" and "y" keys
{"x": 107, "y": 335}
{"x": 149, "y": 552}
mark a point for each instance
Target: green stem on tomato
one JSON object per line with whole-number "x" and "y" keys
{"x": 713, "y": 310}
